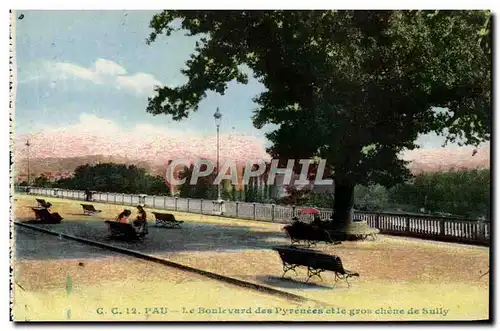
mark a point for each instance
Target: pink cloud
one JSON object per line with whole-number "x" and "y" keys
{"x": 453, "y": 157}
{"x": 158, "y": 144}
{"x": 95, "y": 136}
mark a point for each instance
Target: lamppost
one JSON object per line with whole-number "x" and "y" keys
{"x": 218, "y": 117}
{"x": 28, "y": 154}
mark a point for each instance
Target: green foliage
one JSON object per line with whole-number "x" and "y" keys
{"x": 462, "y": 192}
{"x": 320, "y": 200}
{"x": 296, "y": 196}
{"x": 233, "y": 192}
{"x": 239, "y": 195}
{"x": 66, "y": 183}
{"x": 156, "y": 185}
{"x": 202, "y": 189}
{"x": 111, "y": 177}
{"x": 371, "y": 198}
{"x": 42, "y": 181}
{"x": 226, "y": 190}
{"x": 367, "y": 198}
{"x": 253, "y": 192}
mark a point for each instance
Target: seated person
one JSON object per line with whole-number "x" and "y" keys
{"x": 317, "y": 221}
{"x": 140, "y": 221}
{"x": 56, "y": 216}
{"x": 123, "y": 216}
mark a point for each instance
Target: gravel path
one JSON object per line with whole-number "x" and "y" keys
{"x": 107, "y": 280}
{"x": 396, "y": 272}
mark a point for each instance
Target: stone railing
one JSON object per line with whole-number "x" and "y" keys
{"x": 421, "y": 226}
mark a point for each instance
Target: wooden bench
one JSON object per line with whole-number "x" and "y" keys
{"x": 316, "y": 263}
{"x": 45, "y": 217}
{"x": 308, "y": 234}
{"x": 44, "y": 204}
{"x": 123, "y": 231}
{"x": 168, "y": 220}
{"x": 90, "y": 210}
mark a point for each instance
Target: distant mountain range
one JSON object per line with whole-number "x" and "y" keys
{"x": 57, "y": 154}
{"x": 448, "y": 158}
{"x": 63, "y": 167}
{"x": 141, "y": 146}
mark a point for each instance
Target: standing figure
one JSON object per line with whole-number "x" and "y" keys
{"x": 88, "y": 195}
{"x": 141, "y": 222}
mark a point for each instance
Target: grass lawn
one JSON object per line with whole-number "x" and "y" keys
{"x": 440, "y": 280}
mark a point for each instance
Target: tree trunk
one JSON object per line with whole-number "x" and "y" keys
{"x": 343, "y": 204}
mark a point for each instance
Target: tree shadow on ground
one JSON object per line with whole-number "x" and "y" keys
{"x": 81, "y": 215}
{"x": 33, "y": 245}
{"x": 192, "y": 236}
{"x": 292, "y": 283}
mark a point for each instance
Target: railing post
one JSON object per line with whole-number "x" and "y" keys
{"x": 175, "y": 203}
{"x": 377, "y": 220}
{"x": 441, "y": 227}
{"x": 187, "y": 204}
{"x": 154, "y": 198}
{"x": 201, "y": 206}
{"x": 480, "y": 233}
{"x": 222, "y": 206}
{"x": 293, "y": 211}
{"x": 254, "y": 211}
{"x": 407, "y": 223}
{"x": 272, "y": 212}
{"x": 237, "y": 204}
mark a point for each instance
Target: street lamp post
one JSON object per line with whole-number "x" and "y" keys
{"x": 218, "y": 117}
{"x": 28, "y": 155}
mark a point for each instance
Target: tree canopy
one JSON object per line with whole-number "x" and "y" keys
{"x": 352, "y": 87}
{"x": 460, "y": 192}
{"x": 111, "y": 177}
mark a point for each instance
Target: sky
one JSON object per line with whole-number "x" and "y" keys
{"x": 97, "y": 63}
{"x": 82, "y": 68}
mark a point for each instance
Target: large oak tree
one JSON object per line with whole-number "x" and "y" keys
{"x": 353, "y": 87}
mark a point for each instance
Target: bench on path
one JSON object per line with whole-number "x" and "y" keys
{"x": 316, "y": 263}
{"x": 308, "y": 234}
{"x": 123, "y": 231}
{"x": 90, "y": 210}
{"x": 168, "y": 220}
{"x": 44, "y": 204}
{"x": 43, "y": 216}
